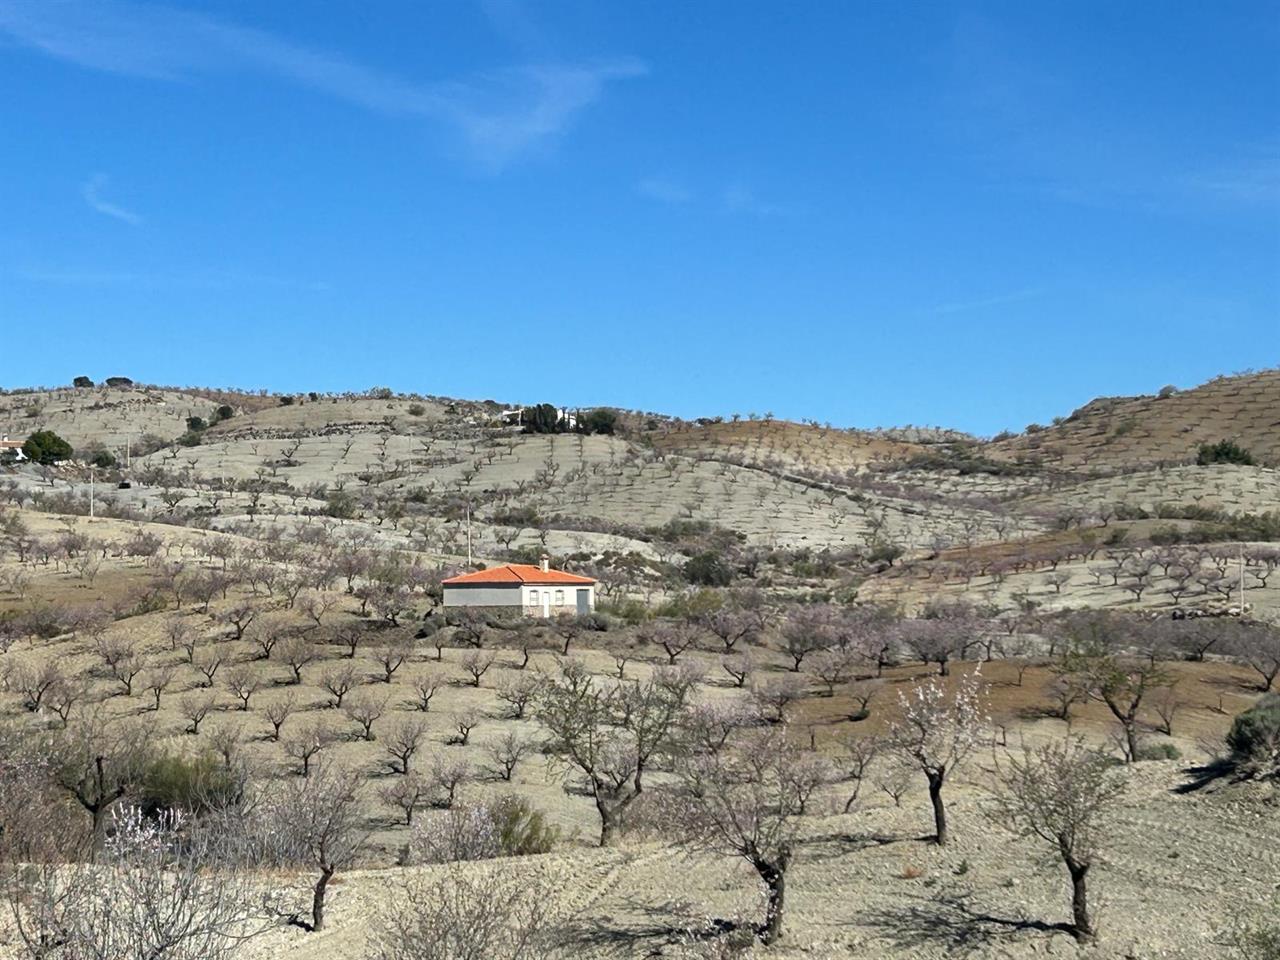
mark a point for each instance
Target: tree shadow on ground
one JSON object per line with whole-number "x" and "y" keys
{"x": 832, "y": 846}
{"x": 949, "y": 921}
{"x": 647, "y": 923}
{"x": 1203, "y": 775}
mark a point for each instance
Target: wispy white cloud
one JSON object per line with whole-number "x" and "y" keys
{"x": 1252, "y": 179}
{"x": 997, "y": 300}
{"x": 667, "y": 191}
{"x": 738, "y": 197}
{"x": 91, "y": 190}
{"x": 499, "y": 115}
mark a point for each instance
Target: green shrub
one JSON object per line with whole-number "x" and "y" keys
{"x": 1224, "y": 451}
{"x": 708, "y": 570}
{"x": 522, "y": 828}
{"x": 45, "y": 446}
{"x": 82, "y": 383}
{"x": 1254, "y": 739}
{"x": 599, "y": 420}
{"x": 196, "y": 424}
{"x": 340, "y": 505}
{"x": 194, "y": 784}
{"x": 1158, "y": 751}
{"x": 223, "y": 412}
{"x": 416, "y": 409}
{"x": 631, "y": 612}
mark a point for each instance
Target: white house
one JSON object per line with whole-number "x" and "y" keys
{"x": 11, "y": 448}
{"x": 563, "y": 415}
{"x": 535, "y": 591}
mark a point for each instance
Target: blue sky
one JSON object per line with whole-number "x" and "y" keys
{"x": 977, "y": 215}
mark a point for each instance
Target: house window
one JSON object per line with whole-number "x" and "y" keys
{"x": 533, "y": 597}
{"x": 559, "y": 598}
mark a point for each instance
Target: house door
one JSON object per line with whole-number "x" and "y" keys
{"x": 546, "y": 603}
{"x": 584, "y": 601}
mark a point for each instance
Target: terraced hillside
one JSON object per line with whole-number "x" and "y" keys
{"x": 255, "y": 589}
{"x": 1127, "y": 432}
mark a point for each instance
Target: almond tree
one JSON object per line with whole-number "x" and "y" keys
{"x": 365, "y": 710}
{"x": 744, "y": 802}
{"x": 315, "y": 821}
{"x": 97, "y": 763}
{"x": 338, "y": 681}
{"x": 1059, "y": 793}
{"x": 610, "y": 733}
{"x": 1257, "y": 645}
{"x": 937, "y": 729}
{"x": 163, "y": 888}
{"x": 1122, "y": 684}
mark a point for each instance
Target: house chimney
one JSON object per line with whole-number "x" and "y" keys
{"x": 544, "y": 563}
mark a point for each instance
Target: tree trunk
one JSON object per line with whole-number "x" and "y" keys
{"x": 608, "y": 822}
{"x": 1131, "y": 740}
{"x": 317, "y": 898}
{"x": 775, "y": 880}
{"x": 939, "y": 811}
{"x": 97, "y": 828}
{"x": 1081, "y": 927}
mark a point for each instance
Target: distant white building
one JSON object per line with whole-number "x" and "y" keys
{"x": 563, "y": 415}
{"x": 534, "y": 591}
{"x": 11, "y": 448}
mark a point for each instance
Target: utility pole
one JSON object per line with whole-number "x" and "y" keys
{"x": 468, "y": 505}
{"x": 1242, "y": 579}
{"x": 91, "y": 491}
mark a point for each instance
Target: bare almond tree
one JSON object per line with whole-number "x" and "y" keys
{"x": 278, "y": 711}
{"x": 339, "y": 680}
{"x": 1123, "y": 684}
{"x": 743, "y": 802}
{"x": 937, "y": 729}
{"x": 391, "y": 658}
{"x": 365, "y": 709}
{"x": 195, "y": 707}
{"x": 425, "y": 686}
{"x": 407, "y": 794}
{"x": 457, "y": 915}
{"x": 97, "y": 763}
{"x": 507, "y": 751}
{"x": 314, "y": 821}
{"x": 303, "y": 745}
{"x": 477, "y": 663}
{"x": 296, "y": 652}
{"x": 243, "y": 682}
{"x": 610, "y": 733}
{"x": 403, "y": 741}
{"x": 1059, "y": 793}
{"x": 518, "y": 692}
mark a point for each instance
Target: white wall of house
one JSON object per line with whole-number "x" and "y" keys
{"x": 555, "y": 599}
{"x": 535, "y": 600}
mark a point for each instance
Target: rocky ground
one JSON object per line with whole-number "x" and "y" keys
{"x": 864, "y": 885}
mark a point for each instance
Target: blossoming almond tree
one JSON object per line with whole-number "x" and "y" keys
{"x": 938, "y": 727}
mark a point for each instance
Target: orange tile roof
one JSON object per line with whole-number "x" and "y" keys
{"x": 519, "y": 573}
